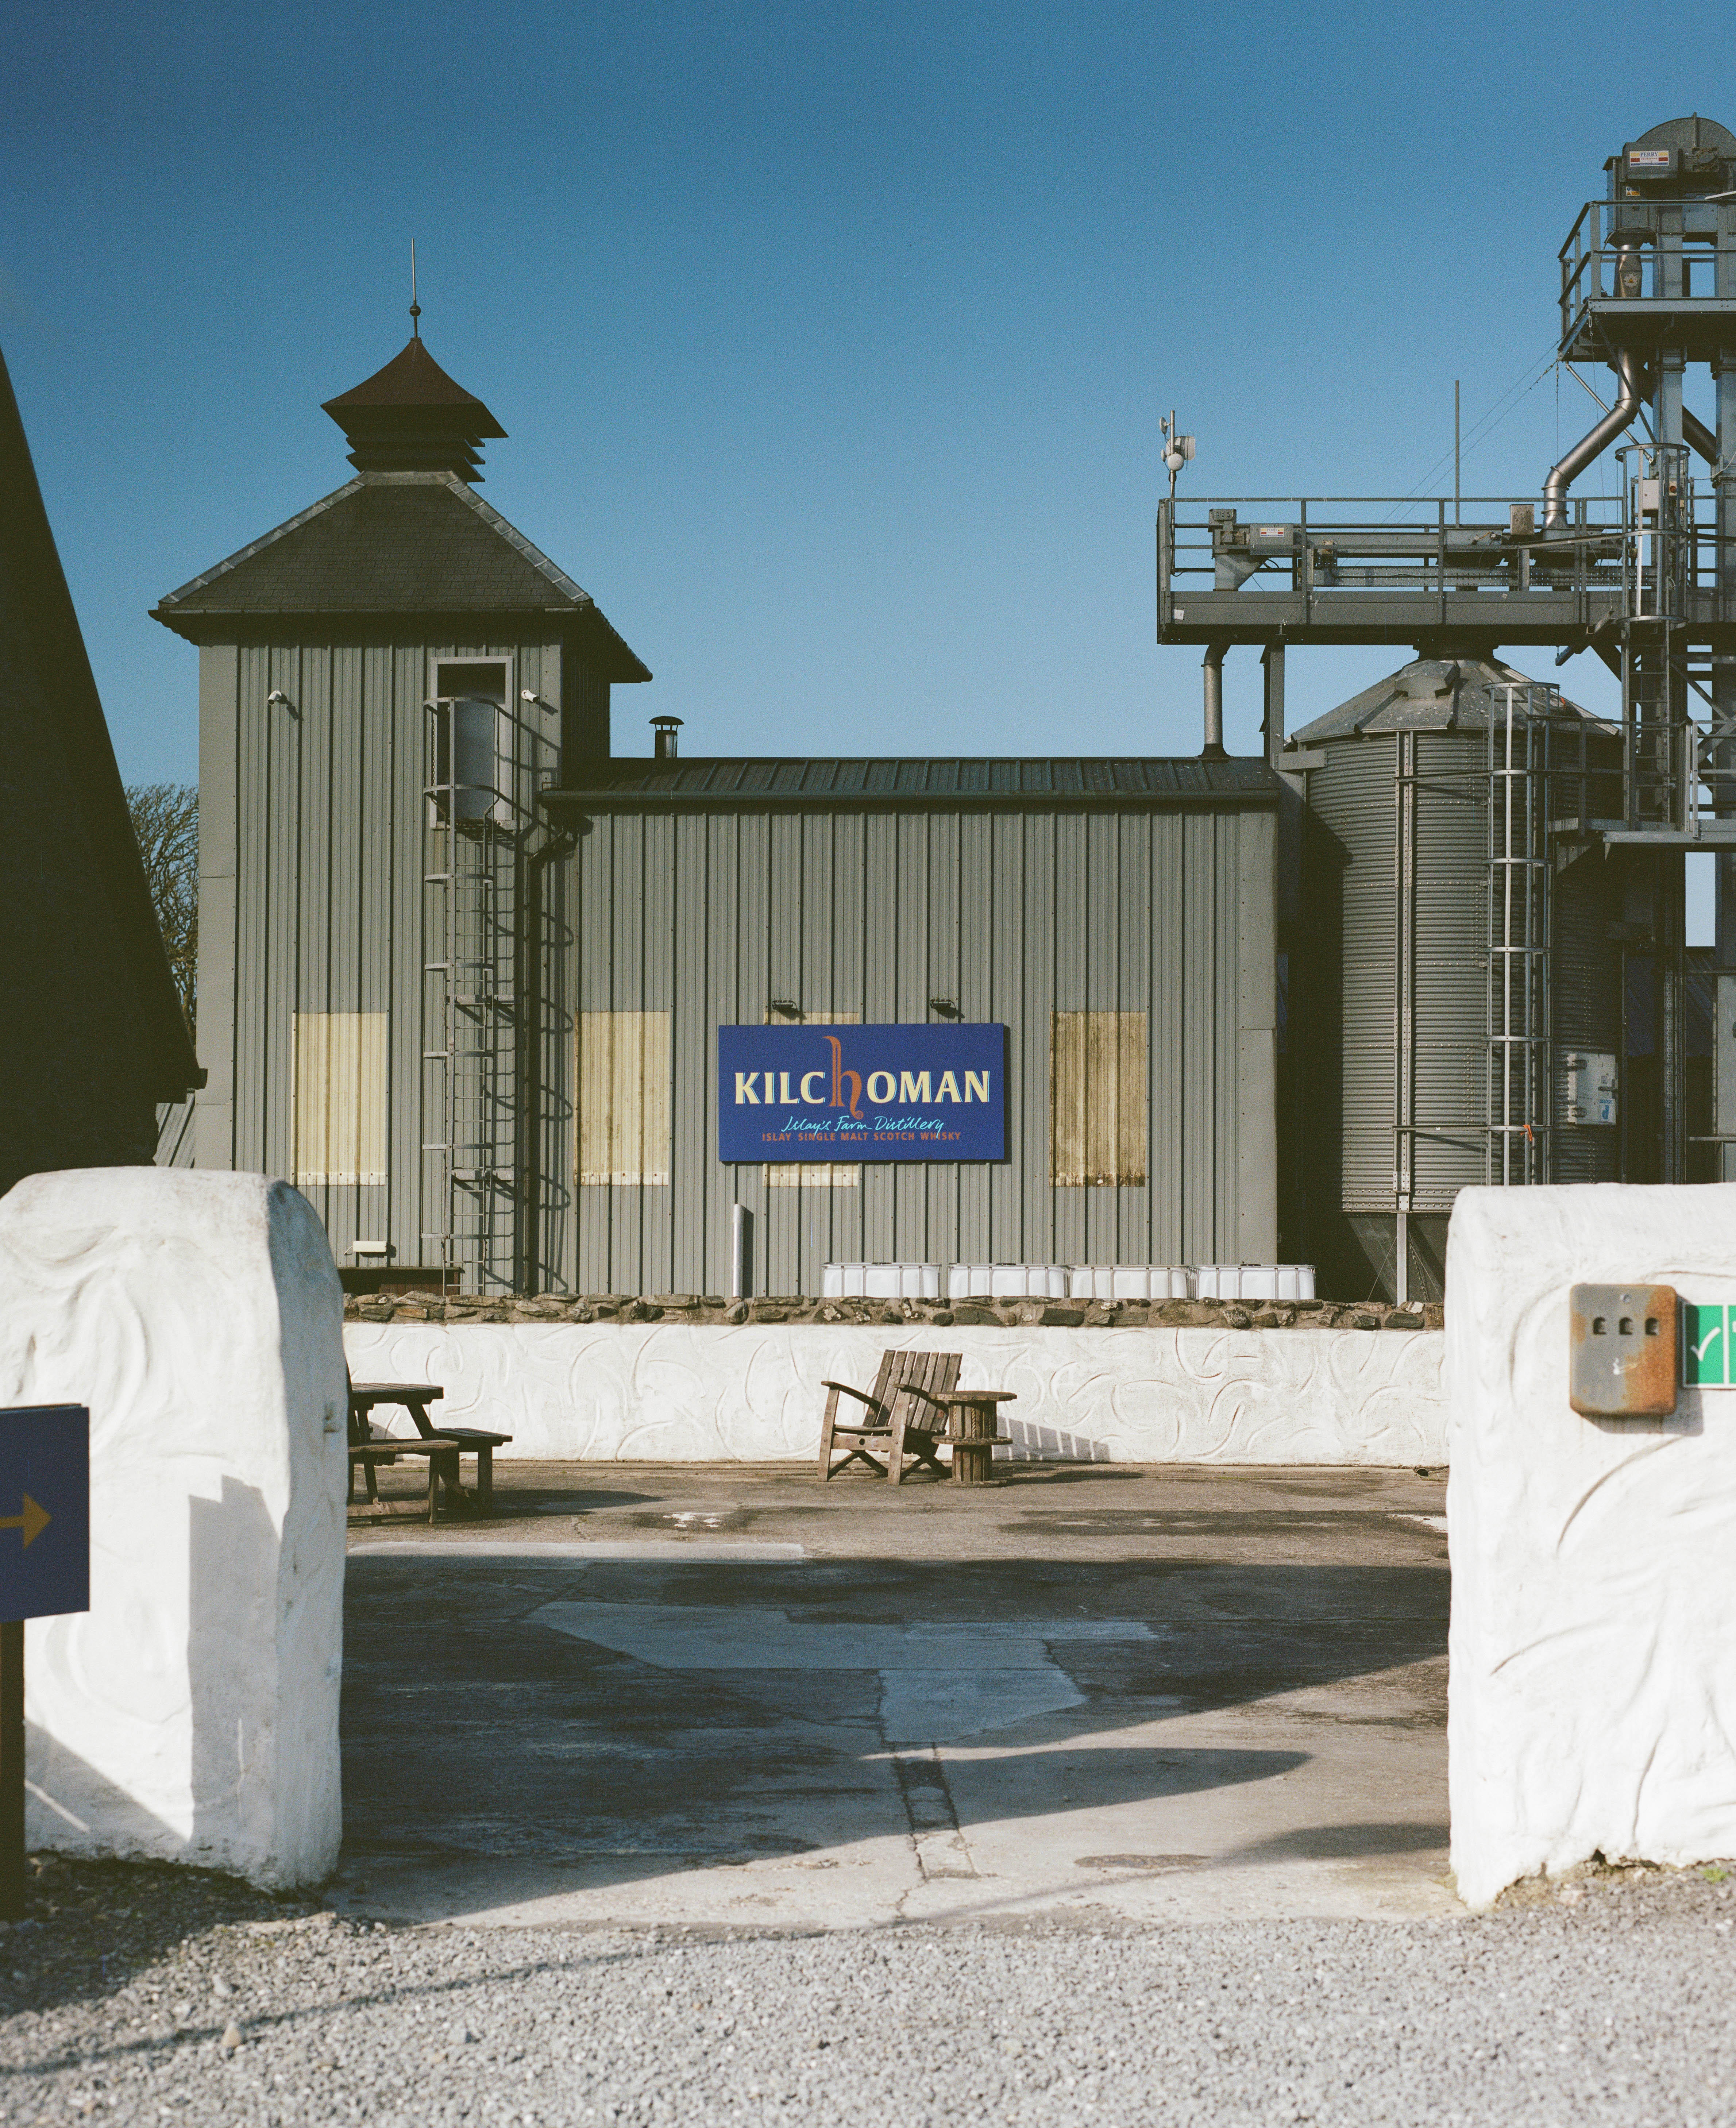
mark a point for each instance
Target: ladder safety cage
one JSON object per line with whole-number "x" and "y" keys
{"x": 1545, "y": 793}
{"x": 472, "y": 891}
{"x": 1661, "y": 550}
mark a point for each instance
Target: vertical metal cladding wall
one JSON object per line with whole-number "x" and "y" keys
{"x": 711, "y": 912}
{"x": 1585, "y": 976}
{"x": 312, "y": 859}
{"x": 1360, "y": 796}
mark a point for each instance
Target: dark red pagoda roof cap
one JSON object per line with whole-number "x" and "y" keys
{"x": 413, "y": 379}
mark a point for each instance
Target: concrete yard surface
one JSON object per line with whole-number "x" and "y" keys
{"x": 730, "y": 1697}
{"x": 1104, "y": 1797}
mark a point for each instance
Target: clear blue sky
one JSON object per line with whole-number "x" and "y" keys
{"x": 831, "y": 340}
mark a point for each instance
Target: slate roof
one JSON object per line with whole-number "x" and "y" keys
{"x": 1430, "y": 694}
{"x": 393, "y": 543}
{"x": 1137, "y": 782}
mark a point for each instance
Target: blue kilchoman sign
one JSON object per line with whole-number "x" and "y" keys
{"x": 862, "y": 1093}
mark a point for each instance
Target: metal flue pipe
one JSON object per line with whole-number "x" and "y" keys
{"x": 1213, "y": 748}
{"x": 1695, "y": 433}
{"x": 1628, "y": 403}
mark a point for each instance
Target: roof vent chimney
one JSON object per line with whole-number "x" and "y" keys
{"x": 663, "y": 744}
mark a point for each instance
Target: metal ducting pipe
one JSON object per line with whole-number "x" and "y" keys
{"x": 1695, "y": 433}
{"x": 1628, "y": 403}
{"x": 1213, "y": 748}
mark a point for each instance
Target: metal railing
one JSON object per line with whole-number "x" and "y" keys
{"x": 1308, "y": 544}
{"x": 1672, "y": 250}
{"x": 1314, "y": 544}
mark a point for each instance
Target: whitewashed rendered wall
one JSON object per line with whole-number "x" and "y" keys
{"x": 192, "y": 1713}
{"x": 698, "y": 1393}
{"x": 1593, "y": 1647}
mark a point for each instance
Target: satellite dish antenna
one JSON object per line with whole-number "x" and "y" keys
{"x": 1178, "y": 449}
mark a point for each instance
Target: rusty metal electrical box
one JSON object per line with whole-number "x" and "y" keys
{"x": 1622, "y": 1351}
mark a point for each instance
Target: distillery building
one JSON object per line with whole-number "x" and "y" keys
{"x": 520, "y": 1011}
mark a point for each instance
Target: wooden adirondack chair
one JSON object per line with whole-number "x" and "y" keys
{"x": 900, "y": 1411}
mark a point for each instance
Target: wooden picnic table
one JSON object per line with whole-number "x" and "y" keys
{"x": 415, "y": 1398}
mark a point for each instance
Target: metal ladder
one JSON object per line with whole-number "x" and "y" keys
{"x": 1521, "y": 725}
{"x": 470, "y": 879}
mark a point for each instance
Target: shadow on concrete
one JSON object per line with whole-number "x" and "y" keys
{"x": 1336, "y": 1843}
{"x": 403, "y": 1490}
{"x": 471, "y": 1729}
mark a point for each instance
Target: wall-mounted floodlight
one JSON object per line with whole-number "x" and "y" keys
{"x": 1178, "y": 449}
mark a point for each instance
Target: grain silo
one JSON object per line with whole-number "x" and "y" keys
{"x": 1457, "y": 983}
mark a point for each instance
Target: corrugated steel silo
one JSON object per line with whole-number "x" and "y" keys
{"x": 1455, "y": 954}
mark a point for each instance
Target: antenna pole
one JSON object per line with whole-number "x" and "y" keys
{"x": 1455, "y": 450}
{"x": 416, "y": 308}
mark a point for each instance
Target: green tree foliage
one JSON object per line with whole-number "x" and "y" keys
{"x": 166, "y": 827}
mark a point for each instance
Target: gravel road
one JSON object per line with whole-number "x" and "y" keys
{"x": 139, "y": 1994}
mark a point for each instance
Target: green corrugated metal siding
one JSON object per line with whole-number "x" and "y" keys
{"x": 316, "y": 812}
{"x": 1586, "y": 980}
{"x": 710, "y": 913}
{"x": 1158, "y": 899}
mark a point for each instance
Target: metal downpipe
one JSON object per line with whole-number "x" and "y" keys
{"x": 1213, "y": 748}
{"x": 1628, "y": 403}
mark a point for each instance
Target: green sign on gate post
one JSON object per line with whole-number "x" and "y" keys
{"x": 1705, "y": 1345}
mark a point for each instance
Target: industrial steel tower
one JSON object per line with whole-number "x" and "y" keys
{"x": 1645, "y": 576}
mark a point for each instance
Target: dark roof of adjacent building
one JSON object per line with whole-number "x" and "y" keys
{"x": 1430, "y": 694}
{"x": 393, "y": 544}
{"x": 73, "y": 883}
{"x": 1134, "y": 782}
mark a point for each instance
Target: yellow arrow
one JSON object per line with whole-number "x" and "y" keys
{"x": 32, "y": 1522}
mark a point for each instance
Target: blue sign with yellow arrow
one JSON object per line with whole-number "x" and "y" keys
{"x": 45, "y": 1511}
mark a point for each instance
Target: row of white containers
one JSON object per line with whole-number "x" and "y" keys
{"x": 923, "y": 1282}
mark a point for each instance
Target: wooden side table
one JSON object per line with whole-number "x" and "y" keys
{"x": 971, "y": 1430}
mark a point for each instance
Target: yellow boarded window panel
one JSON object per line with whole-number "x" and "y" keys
{"x": 625, "y": 1075}
{"x": 1097, "y": 1098}
{"x": 339, "y": 1125}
